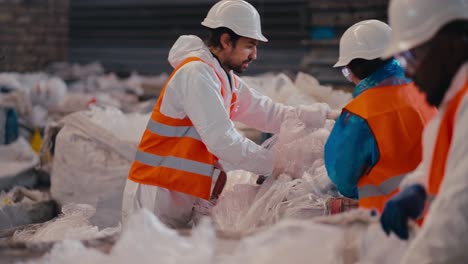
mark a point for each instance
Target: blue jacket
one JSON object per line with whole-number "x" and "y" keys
{"x": 351, "y": 148}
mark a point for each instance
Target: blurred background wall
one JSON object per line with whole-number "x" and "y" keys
{"x": 33, "y": 33}
{"x": 135, "y": 35}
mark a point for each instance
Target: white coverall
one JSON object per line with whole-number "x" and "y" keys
{"x": 443, "y": 237}
{"x": 194, "y": 91}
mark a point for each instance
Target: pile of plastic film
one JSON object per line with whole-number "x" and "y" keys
{"x": 299, "y": 190}
{"x": 72, "y": 224}
{"x": 355, "y": 237}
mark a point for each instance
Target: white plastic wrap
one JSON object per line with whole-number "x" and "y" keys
{"x": 304, "y": 89}
{"x": 93, "y": 153}
{"x": 145, "y": 240}
{"x": 299, "y": 192}
{"x": 72, "y": 224}
{"x": 280, "y": 88}
{"x": 21, "y": 195}
{"x": 310, "y": 86}
{"x": 354, "y": 237}
{"x": 16, "y": 158}
{"x": 350, "y": 238}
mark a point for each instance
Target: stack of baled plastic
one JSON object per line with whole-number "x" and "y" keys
{"x": 354, "y": 237}
{"x": 93, "y": 153}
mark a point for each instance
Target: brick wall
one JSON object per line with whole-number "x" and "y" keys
{"x": 33, "y": 33}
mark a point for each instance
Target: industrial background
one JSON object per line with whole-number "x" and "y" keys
{"x": 79, "y": 80}
{"x": 135, "y": 35}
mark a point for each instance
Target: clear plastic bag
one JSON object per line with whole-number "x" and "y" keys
{"x": 300, "y": 191}
{"x": 73, "y": 223}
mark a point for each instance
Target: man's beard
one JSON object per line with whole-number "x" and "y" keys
{"x": 237, "y": 68}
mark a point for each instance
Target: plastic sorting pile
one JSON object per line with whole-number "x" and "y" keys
{"x": 15, "y": 159}
{"x": 303, "y": 89}
{"x": 19, "y": 195}
{"x": 41, "y": 97}
{"x": 355, "y": 237}
{"x": 93, "y": 153}
{"x": 299, "y": 191}
{"x": 72, "y": 224}
{"x": 260, "y": 213}
{"x": 21, "y": 206}
{"x": 303, "y": 186}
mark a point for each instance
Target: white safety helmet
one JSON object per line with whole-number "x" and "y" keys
{"x": 367, "y": 39}
{"x": 415, "y": 22}
{"x": 237, "y": 15}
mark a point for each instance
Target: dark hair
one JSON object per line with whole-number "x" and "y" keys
{"x": 459, "y": 27}
{"x": 362, "y": 68}
{"x": 214, "y": 37}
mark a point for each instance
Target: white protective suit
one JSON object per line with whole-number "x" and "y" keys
{"x": 442, "y": 238}
{"x": 194, "y": 91}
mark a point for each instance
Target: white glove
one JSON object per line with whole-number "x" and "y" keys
{"x": 313, "y": 115}
{"x": 334, "y": 114}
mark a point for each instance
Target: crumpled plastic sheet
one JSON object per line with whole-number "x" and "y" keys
{"x": 126, "y": 127}
{"x": 16, "y": 158}
{"x": 302, "y": 89}
{"x": 93, "y": 153}
{"x": 279, "y": 87}
{"x": 300, "y": 191}
{"x": 22, "y": 195}
{"x": 73, "y": 223}
{"x": 145, "y": 240}
{"x": 309, "y": 85}
{"x": 354, "y": 237}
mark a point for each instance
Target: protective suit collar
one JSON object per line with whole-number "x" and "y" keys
{"x": 390, "y": 74}
{"x": 192, "y": 46}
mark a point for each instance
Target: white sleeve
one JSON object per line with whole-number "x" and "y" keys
{"x": 259, "y": 111}
{"x": 442, "y": 238}
{"x": 201, "y": 98}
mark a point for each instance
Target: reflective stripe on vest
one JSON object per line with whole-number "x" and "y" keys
{"x": 172, "y": 131}
{"x": 171, "y": 153}
{"x": 396, "y": 116}
{"x": 384, "y": 188}
{"x": 175, "y": 163}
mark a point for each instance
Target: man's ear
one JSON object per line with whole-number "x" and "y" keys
{"x": 225, "y": 41}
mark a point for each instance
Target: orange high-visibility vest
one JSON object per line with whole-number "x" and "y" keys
{"x": 396, "y": 116}
{"x": 443, "y": 142}
{"x": 171, "y": 153}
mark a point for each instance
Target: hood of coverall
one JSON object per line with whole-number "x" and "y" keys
{"x": 189, "y": 46}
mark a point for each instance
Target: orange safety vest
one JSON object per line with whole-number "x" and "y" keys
{"x": 171, "y": 153}
{"x": 396, "y": 116}
{"x": 443, "y": 142}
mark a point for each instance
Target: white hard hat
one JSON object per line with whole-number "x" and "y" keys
{"x": 237, "y": 15}
{"x": 367, "y": 39}
{"x": 415, "y": 22}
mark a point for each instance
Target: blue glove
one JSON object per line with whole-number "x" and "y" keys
{"x": 408, "y": 204}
